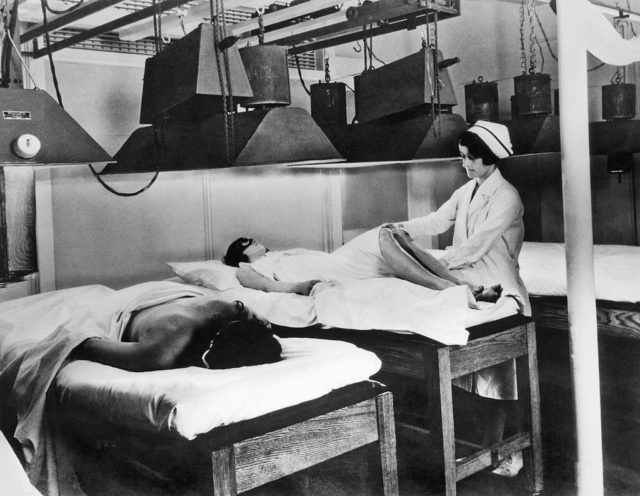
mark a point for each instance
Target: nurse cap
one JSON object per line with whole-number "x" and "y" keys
{"x": 495, "y": 136}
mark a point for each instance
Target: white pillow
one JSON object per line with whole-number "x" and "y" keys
{"x": 210, "y": 274}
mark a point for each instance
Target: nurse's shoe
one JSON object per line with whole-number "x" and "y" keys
{"x": 510, "y": 466}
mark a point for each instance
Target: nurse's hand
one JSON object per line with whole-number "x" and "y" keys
{"x": 392, "y": 226}
{"x": 444, "y": 262}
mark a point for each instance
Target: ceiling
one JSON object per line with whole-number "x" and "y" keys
{"x": 303, "y": 25}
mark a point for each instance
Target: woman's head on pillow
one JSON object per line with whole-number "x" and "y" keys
{"x": 245, "y": 250}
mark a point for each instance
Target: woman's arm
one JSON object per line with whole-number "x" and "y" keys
{"x": 249, "y": 278}
{"x": 505, "y": 210}
{"x": 436, "y": 222}
{"x": 135, "y": 356}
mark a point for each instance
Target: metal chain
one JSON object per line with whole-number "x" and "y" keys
{"x": 160, "y": 37}
{"x": 260, "y": 26}
{"x": 156, "y": 36}
{"x": 7, "y": 35}
{"x": 523, "y": 54}
{"x": 533, "y": 40}
{"x": 427, "y": 46}
{"x": 327, "y": 74}
{"x": 436, "y": 68}
{"x": 619, "y": 76}
{"x": 182, "y": 12}
{"x": 229, "y": 108}
{"x": 436, "y": 72}
{"x": 4, "y": 12}
{"x": 364, "y": 44}
{"x": 371, "y": 46}
{"x": 216, "y": 50}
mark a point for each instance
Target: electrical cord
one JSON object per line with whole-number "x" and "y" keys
{"x": 10, "y": 21}
{"x": 55, "y": 11}
{"x": 49, "y": 54}
{"x": 158, "y": 140}
{"x": 121, "y": 193}
{"x": 295, "y": 56}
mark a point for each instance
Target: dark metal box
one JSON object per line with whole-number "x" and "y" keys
{"x": 182, "y": 81}
{"x": 404, "y": 84}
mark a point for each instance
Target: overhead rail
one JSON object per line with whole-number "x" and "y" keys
{"x": 106, "y": 28}
{"x": 88, "y": 8}
{"x": 294, "y": 27}
{"x": 382, "y": 17}
{"x": 193, "y": 17}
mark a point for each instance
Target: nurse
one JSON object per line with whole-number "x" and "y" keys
{"x": 486, "y": 215}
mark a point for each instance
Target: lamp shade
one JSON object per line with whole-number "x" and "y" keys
{"x": 36, "y": 130}
{"x": 183, "y": 82}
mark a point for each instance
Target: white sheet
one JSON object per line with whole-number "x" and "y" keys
{"x": 384, "y": 303}
{"x": 616, "y": 270}
{"x": 193, "y": 400}
{"x": 38, "y": 332}
{"x": 13, "y": 480}
{"x": 396, "y": 305}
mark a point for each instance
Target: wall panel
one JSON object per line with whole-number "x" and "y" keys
{"x": 87, "y": 235}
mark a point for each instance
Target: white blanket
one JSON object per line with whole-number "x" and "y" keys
{"x": 616, "y": 270}
{"x": 388, "y": 304}
{"x": 192, "y": 400}
{"x": 396, "y": 305}
{"x": 37, "y": 334}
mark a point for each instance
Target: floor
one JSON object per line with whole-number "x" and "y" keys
{"x": 354, "y": 474}
{"x": 358, "y": 473}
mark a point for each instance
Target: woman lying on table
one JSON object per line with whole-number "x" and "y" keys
{"x": 195, "y": 331}
{"x": 486, "y": 214}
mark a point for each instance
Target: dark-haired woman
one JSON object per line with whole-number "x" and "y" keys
{"x": 486, "y": 214}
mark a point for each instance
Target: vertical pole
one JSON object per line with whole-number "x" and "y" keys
{"x": 4, "y": 242}
{"x": 578, "y": 235}
{"x": 332, "y": 209}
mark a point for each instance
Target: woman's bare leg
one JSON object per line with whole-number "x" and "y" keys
{"x": 429, "y": 262}
{"x": 406, "y": 267}
{"x": 433, "y": 265}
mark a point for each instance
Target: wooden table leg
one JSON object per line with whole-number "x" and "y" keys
{"x": 529, "y": 397}
{"x": 223, "y": 466}
{"x": 440, "y": 413}
{"x": 387, "y": 444}
{"x": 446, "y": 414}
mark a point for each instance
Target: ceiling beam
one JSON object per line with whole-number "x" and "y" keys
{"x": 348, "y": 36}
{"x": 199, "y": 12}
{"x": 380, "y": 17}
{"x": 59, "y": 21}
{"x": 132, "y": 33}
{"x": 108, "y": 27}
{"x": 244, "y": 28}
